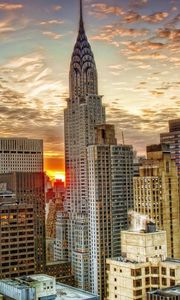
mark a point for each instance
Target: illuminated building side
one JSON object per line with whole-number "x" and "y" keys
{"x": 156, "y": 194}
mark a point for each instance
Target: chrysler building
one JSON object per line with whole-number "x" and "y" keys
{"x": 84, "y": 111}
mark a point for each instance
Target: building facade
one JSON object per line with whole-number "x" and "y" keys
{"x": 143, "y": 266}
{"x": 61, "y": 245}
{"x": 110, "y": 197}
{"x": 29, "y": 190}
{"x": 173, "y": 139}
{"x": 84, "y": 111}
{"x": 21, "y": 171}
{"x": 156, "y": 194}
{"x": 17, "y": 256}
{"x": 21, "y": 155}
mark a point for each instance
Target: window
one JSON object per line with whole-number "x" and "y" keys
{"x": 154, "y": 280}
{"x": 163, "y": 271}
{"x": 137, "y": 283}
{"x": 135, "y": 272}
{"x": 172, "y": 272}
{"x": 172, "y": 282}
{"x": 154, "y": 270}
{"x": 164, "y": 281}
{"x": 147, "y": 270}
{"x": 137, "y": 293}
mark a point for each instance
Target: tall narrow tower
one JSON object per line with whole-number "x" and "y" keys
{"x": 84, "y": 111}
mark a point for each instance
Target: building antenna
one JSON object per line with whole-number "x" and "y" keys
{"x": 123, "y": 137}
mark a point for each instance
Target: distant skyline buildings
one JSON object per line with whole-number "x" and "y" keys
{"x": 136, "y": 49}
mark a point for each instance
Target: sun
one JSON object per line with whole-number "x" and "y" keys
{"x": 56, "y": 175}
{"x": 59, "y": 175}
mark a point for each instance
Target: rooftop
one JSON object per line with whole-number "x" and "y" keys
{"x": 172, "y": 260}
{"x": 171, "y": 291}
{"x": 124, "y": 260}
{"x": 15, "y": 283}
{"x": 65, "y": 292}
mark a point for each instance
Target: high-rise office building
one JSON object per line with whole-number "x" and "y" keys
{"x": 84, "y": 111}
{"x": 156, "y": 194}
{"x": 110, "y": 197}
{"x": 61, "y": 245}
{"x": 21, "y": 170}
{"x": 17, "y": 256}
{"x": 21, "y": 155}
{"x": 29, "y": 190}
{"x": 143, "y": 265}
{"x": 173, "y": 139}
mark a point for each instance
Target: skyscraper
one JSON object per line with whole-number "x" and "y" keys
{"x": 156, "y": 194}
{"x": 110, "y": 196}
{"x": 29, "y": 190}
{"x": 21, "y": 155}
{"x": 173, "y": 139}
{"x": 84, "y": 111}
{"x": 21, "y": 170}
{"x": 17, "y": 255}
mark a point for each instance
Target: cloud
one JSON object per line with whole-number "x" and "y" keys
{"x": 155, "y": 55}
{"x": 110, "y": 32}
{"x": 143, "y": 128}
{"x": 157, "y": 93}
{"x": 100, "y": 10}
{"x": 133, "y": 17}
{"x": 143, "y": 46}
{"x": 52, "y": 35}
{"x": 156, "y": 17}
{"x": 174, "y": 21}
{"x": 52, "y": 22}
{"x": 12, "y": 24}
{"x": 25, "y": 85}
{"x": 10, "y": 6}
{"x": 57, "y": 7}
{"x": 170, "y": 34}
{"x": 138, "y": 3}
{"x": 6, "y": 27}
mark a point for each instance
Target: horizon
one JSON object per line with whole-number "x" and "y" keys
{"x": 134, "y": 42}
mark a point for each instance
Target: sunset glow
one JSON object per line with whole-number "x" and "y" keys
{"x": 136, "y": 48}
{"x": 56, "y": 175}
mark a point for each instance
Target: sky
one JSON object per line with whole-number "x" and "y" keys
{"x": 137, "y": 53}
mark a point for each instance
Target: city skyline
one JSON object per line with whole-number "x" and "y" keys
{"x": 34, "y": 78}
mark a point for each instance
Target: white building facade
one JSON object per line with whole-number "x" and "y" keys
{"x": 84, "y": 111}
{"x": 110, "y": 197}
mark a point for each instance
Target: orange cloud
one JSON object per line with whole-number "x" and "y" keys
{"x": 57, "y": 7}
{"x": 52, "y": 22}
{"x": 10, "y": 6}
{"x": 52, "y": 35}
{"x": 101, "y": 9}
{"x": 132, "y": 17}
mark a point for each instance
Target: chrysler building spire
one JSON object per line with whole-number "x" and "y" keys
{"x": 81, "y": 15}
{"x": 83, "y": 74}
